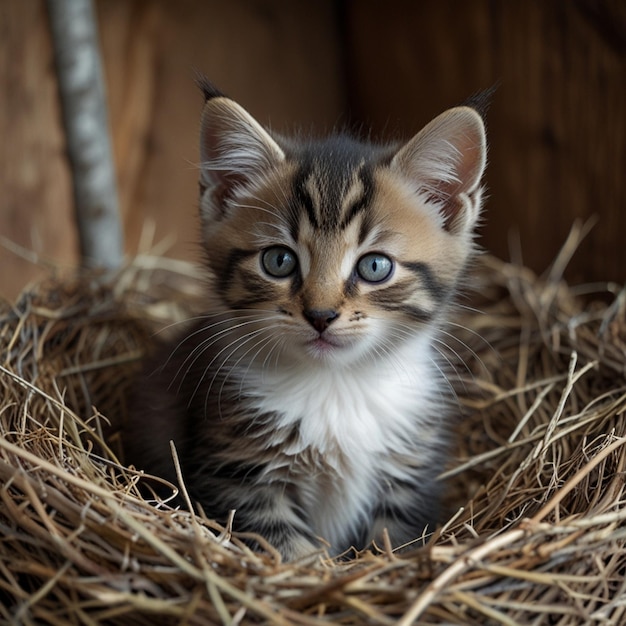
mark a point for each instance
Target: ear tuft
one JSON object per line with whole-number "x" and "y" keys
{"x": 481, "y": 101}
{"x": 236, "y": 153}
{"x": 208, "y": 89}
{"x": 445, "y": 161}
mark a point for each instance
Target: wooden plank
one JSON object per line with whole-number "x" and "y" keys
{"x": 35, "y": 209}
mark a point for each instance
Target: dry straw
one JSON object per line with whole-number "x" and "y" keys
{"x": 537, "y": 524}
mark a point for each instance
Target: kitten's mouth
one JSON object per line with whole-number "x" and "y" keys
{"x": 323, "y": 342}
{"x": 323, "y": 345}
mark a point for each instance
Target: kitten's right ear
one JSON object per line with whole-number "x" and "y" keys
{"x": 446, "y": 161}
{"x": 235, "y": 151}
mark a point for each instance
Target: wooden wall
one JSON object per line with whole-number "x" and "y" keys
{"x": 557, "y": 125}
{"x": 35, "y": 209}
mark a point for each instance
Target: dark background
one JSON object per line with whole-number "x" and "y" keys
{"x": 557, "y": 125}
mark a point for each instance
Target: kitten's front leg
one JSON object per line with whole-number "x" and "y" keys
{"x": 268, "y": 511}
{"x": 409, "y": 510}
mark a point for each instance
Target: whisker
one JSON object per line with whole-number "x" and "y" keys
{"x": 471, "y": 331}
{"x": 203, "y": 346}
{"x": 272, "y": 336}
{"x": 202, "y": 329}
{"x": 459, "y": 359}
{"x": 263, "y": 342}
{"x": 237, "y": 343}
{"x": 402, "y": 334}
{"x": 233, "y": 366}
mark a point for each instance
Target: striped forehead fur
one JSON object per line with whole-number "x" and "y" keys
{"x": 334, "y": 179}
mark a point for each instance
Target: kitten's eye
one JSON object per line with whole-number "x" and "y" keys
{"x": 279, "y": 262}
{"x": 374, "y": 268}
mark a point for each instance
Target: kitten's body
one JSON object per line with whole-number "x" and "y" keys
{"x": 309, "y": 398}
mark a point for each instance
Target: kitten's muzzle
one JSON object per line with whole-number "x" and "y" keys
{"x": 320, "y": 319}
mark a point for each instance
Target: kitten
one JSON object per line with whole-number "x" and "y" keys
{"x": 309, "y": 397}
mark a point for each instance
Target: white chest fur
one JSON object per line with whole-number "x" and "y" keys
{"x": 356, "y": 419}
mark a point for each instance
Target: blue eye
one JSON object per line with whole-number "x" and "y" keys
{"x": 374, "y": 268}
{"x": 279, "y": 262}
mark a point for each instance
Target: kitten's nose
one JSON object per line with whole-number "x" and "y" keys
{"x": 320, "y": 320}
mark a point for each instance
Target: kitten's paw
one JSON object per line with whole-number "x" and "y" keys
{"x": 298, "y": 547}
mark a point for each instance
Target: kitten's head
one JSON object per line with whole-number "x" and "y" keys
{"x": 335, "y": 250}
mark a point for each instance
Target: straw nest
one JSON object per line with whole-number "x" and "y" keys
{"x": 536, "y": 532}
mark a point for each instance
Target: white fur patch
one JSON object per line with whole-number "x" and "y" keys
{"x": 356, "y": 417}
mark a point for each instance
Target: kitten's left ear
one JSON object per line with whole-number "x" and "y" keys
{"x": 446, "y": 161}
{"x": 235, "y": 151}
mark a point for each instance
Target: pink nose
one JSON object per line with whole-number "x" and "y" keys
{"x": 320, "y": 320}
